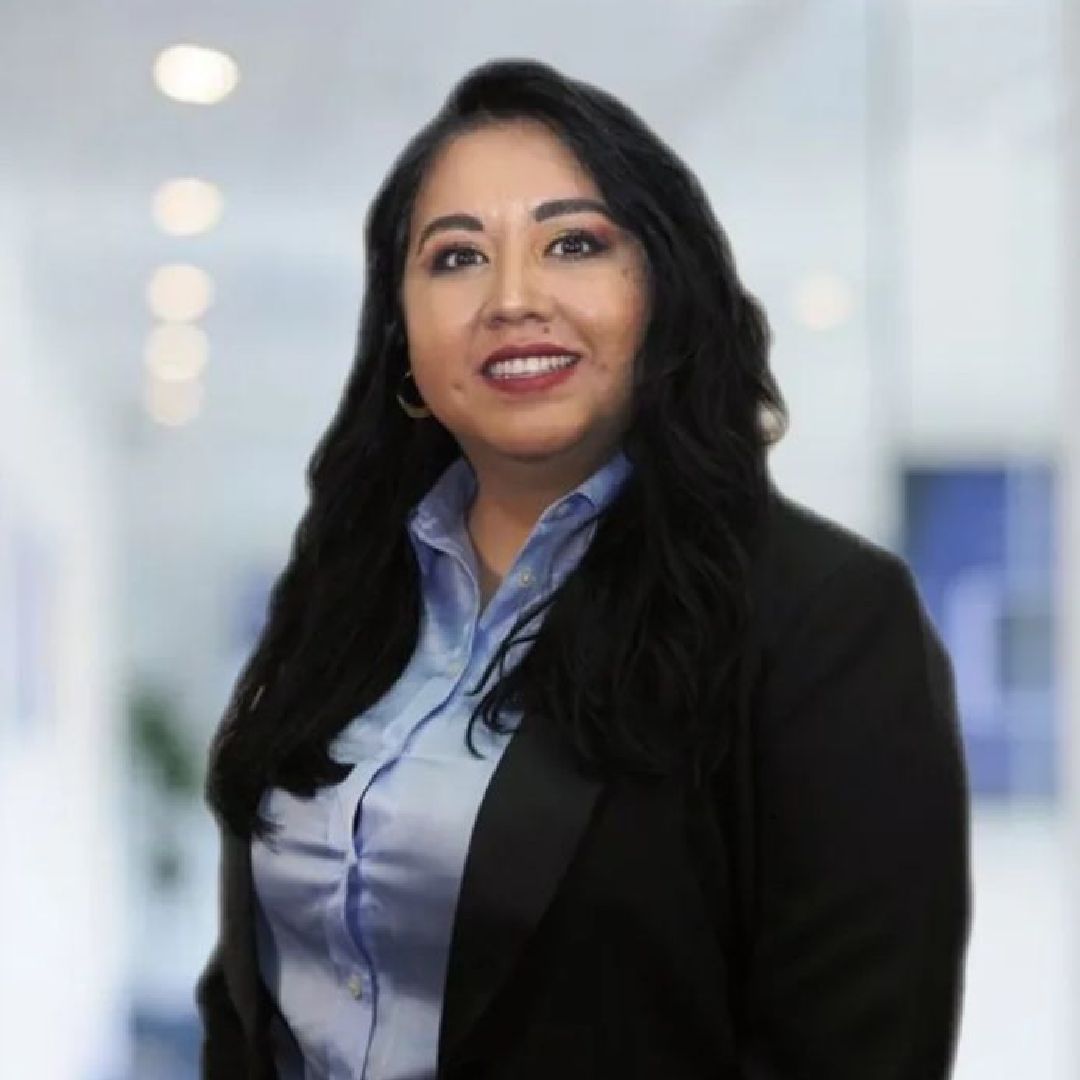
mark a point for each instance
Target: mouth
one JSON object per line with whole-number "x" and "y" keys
{"x": 529, "y": 373}
{"x": 527, "y": 350}
{"x": 526, "y": 364}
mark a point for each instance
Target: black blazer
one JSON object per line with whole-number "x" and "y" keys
{"x": 804, "y": 916}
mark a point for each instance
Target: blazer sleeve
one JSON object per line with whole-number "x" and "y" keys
{"x": 856, "y": 966}
{"x": 222, "y": 1053}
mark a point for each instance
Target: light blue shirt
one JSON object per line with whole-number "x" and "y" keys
{"x": 357, "y": 891}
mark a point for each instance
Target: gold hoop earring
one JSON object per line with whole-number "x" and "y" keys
{"x": 415, "y": 412}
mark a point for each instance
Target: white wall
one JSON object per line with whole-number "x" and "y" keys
{"x": 63, "y": 1009}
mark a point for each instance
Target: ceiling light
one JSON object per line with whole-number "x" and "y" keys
{"x": 176, "y": 352}
{"x": 186, "y": 206}
{"x": 194, "y": 74}
{"x": 179, "y": 292}
{"x": 173, "y": 403}
{"x": 823, "y": 301}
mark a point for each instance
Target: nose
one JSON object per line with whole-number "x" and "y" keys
{"x": 517, "y": 290}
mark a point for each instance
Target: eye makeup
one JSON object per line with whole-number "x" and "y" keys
{"x": 596, "y": 243}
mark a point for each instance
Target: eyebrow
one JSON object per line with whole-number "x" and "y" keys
{"x": 551, "y": 208}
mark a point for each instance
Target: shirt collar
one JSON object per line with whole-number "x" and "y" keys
{"x": 439, "y": 515}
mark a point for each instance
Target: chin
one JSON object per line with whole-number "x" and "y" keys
{"x": 531, "y": 447}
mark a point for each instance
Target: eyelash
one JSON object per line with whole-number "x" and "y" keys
{"x": 438, "y": 266}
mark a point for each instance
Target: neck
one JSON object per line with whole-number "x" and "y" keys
{"x": 510, "y": 498}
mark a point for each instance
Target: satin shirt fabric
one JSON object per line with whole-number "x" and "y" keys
{"x": 356, "y": 892}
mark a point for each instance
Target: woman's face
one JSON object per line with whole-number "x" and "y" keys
{"x": 494, "y": 261}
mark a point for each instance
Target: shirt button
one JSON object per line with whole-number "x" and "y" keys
{"x": 526, "y": 577}
{"x": 356, "y": 986}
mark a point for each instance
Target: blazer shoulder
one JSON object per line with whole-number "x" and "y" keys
{"x": 798, "y": 551}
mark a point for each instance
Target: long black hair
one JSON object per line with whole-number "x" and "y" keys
{"x": 637, "y": 650}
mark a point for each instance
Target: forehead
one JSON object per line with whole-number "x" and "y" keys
{"x": 500, "y": 166}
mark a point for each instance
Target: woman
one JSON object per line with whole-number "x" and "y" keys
{"x": 572, "y": 747}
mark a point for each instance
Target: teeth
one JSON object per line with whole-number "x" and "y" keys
{"x": 528, "y": 365}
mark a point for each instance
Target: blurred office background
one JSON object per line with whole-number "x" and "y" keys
{"x": 180, "y": 272}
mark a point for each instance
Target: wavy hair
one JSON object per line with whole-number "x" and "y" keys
{"x": 636, "y": 653}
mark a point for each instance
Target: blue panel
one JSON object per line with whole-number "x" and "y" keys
{"x": 980, "y": 541}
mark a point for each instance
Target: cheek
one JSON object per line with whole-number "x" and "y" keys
{"x": 618, "y": 319}
{"x": 435, "y": 330}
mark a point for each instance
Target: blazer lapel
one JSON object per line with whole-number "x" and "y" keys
{"x": 239, "y": 937}
{"x": 530, "y": 820}
{"x": 253, "y": 1004}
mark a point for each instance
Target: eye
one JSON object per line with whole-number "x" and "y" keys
{"x": 581, "y": 243}
{"x": 444, "y": 260}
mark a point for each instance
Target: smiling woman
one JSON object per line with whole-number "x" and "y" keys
{"x": 524, "y": 315}
{"x": 572, "y": 747}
